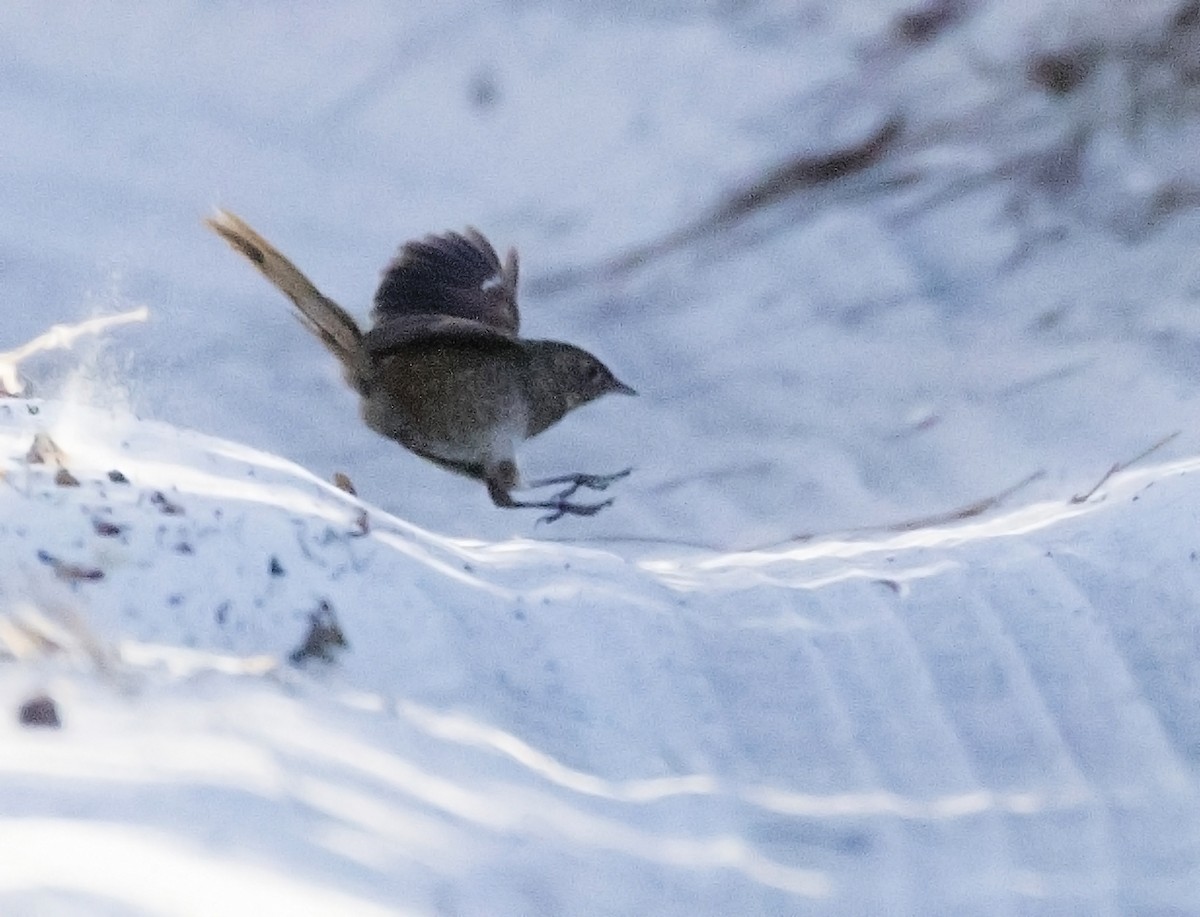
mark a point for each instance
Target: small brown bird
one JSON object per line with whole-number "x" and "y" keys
{"x": 442, "y": 370}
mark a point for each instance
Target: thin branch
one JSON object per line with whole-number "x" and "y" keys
{"x": 1121, "y": 466}
{"x": 970, "y": 511}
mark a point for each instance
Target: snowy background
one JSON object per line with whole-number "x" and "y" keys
{"x": 619, "y": 714}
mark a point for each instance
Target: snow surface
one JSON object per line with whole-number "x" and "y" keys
{"x": 976, "y": 717}
{"x": 704, "y": 700}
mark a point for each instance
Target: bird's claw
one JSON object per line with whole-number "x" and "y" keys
{"x": 562, "y": 508}
{"x": 576, "y": 481}
{"x": 559, "y": 505}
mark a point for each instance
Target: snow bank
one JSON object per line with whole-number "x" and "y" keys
{"x": 909, "y": 721}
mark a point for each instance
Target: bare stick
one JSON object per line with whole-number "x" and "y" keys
{"x": 1121, "y": 466}
{"x": 970, "y": 511}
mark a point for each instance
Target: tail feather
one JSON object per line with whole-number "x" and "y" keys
{"x": 331, "y": 324}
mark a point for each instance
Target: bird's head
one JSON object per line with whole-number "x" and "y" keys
{"x": 564, "y": 377}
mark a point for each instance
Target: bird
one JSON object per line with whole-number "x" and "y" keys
{"x": 443, "y": 370}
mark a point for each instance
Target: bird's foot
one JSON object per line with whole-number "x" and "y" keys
{"x": 562, "y": 508}
{"x": 559, "y": 505}
{"x": 576, "y": 481}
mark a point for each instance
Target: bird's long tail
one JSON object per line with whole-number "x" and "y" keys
{"x": 335, "y": 328}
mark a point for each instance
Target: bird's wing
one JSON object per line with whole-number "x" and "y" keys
{"x": 400, "y": 330}
{"x": 455, "y": 275}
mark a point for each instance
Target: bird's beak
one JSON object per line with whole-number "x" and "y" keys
{"x": 622, "y": 389}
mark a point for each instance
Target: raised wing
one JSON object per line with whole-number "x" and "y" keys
{"x": 455, "y": 275}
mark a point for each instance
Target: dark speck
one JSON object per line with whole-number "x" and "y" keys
{"x": 70, "y": 572}
{"x": 40, "y": 711}
{"x": 925, "y": 24}
{"x": 1059, "y": 74}
{"x": 117, "y": 478}
{"x": 275, "y": 567}
{"x": 323, "y": 638}
{"x": 484, "y": 90}
{"x": 165, "y": 506}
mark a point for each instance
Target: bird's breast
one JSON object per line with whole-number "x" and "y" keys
{"x": 463, "y": 404}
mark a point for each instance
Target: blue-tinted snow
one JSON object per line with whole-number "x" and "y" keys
{"x": 1001, "y": 721}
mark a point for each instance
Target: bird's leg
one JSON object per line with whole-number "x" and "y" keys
{"x": 502, "y": 481}
{"x": 576, "y": 481}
